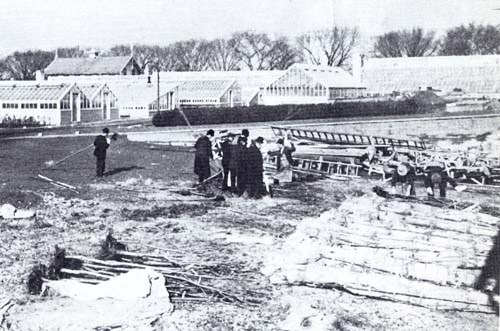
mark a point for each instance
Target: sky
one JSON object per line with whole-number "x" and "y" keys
{"x": 47, "y": 24}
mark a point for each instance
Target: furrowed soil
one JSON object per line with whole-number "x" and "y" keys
{"x": 136, "y": 199}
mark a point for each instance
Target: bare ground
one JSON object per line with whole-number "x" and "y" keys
{"x": 236, "y": 235}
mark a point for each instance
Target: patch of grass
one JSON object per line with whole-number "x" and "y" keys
{"x": 23, "y": 160}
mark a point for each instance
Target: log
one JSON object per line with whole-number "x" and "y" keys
{"x": 126, "y": 253}
{"x": 393, "y": 286}
{"x": 78, "y": 273}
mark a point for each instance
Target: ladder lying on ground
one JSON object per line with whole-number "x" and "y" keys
{"x": 348, "y": 138}
{"x": 330, "y": 169}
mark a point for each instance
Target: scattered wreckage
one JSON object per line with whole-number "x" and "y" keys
{"x": 352, "y": 155}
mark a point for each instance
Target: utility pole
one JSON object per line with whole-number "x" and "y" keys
{"x": 158, "y": 85}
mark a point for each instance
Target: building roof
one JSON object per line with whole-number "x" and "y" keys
{"x": 111, "y": 65}
{"x": 33, "y": 91}
{"x": 90, "y": 90}
{"x": 137, "y": 93}
{"x": 249, "y": 82}
{"x": 334, "y": 77}
{"x": 204, "y": 89}
{"x": 473, "y": 74}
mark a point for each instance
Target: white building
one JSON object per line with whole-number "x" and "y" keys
{"x": 308, "y": 84}
{"x": 209, "y": 93}
{"x": 97, "y": 103}
{"x": 52, "y": 104}
{"x": 478, "y": 74}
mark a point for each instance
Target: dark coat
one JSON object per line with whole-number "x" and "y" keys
{"x": 101, "y": 145}
{"x": 234, "y": 161}
{"x": 202, "y": 157}
{"x": 255, "y": 165}
{"x": 226, "y": 148}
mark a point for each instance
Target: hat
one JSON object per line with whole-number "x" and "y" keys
{"x": 105, "y": 130}
{"x": 210, "y": 133}
{"x": 403, "y": 169}
{"x": 436, "y": 178}
{"x": 259, "y": 140}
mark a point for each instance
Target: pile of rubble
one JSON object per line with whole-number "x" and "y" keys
{"x": 395, "y": 251}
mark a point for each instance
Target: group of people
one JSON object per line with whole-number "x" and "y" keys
{"x": 403, "y": 169}
{"x": 241, "y": 160}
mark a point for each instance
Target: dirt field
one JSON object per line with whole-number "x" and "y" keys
{"x": 236, "y": 234}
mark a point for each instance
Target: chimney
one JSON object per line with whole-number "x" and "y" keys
{"x": 39, "y": 76}
{"x": 93, "y": 54}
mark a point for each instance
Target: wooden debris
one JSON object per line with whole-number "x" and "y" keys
{"x": 4, "y": 309}
{"x": 58, "y": 183}
{"x": 185, "y": 282}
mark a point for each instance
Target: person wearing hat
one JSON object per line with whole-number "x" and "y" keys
{"x": 203, "y": 155}
{"x": 435, "y": 174}
{"x": 225, "y": 150}
{"x": 255, "y": 172}
{"x": 284, "y": 161}
{"x": 241, "y": 163}
{"x": 404, "y": 172}
{"x": 234, "y": 163}
{"x": 101, "y": 144}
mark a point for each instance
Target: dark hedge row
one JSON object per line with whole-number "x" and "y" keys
{"x": 13, "y": 122}
{"x": 291, "y": 112}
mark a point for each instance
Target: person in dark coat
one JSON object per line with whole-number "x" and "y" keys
{"x": 203, "y": 155}
{"x": 255, "y": 172}
{"x": 404, "y": 172}
{"x": 234, "y": 164}
{"x": 241, "y": 162}
{"x": 435, "y": 174}
{"x": 226, "y": 148}
{"x": 101, "y": 144}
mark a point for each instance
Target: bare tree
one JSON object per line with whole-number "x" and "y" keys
{"x": 70, "y": 52}
{"x": 389, "y": 45}
{"x": 191, "y": 55}
{"x": 167, "y": 59}
{"x": 145, "y": 55}
{"x": 23, "y": 65}
{"x": 224, "y": 56}
{"x": 119, "y": 50}
{"x": 410, "y": 43}
{"x": 471, "y": 39}
{"x": 253, "y": 48}
{"x": 332, "y": 47}
{"x": 282, "y": 55}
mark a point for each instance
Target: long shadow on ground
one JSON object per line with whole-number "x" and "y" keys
{"x": 121, "y": 169}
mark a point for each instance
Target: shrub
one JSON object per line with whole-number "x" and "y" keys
{"x": 296, "y": 112}
{"x": 13, "y": 122}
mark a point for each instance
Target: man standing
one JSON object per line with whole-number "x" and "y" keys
{"x": 226, "y": 149}
{"x": 255, "y": 174}
{"x": 203, "y": 155}
{"x": 240, "y": 161}
{"x": 101, "y": 144}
